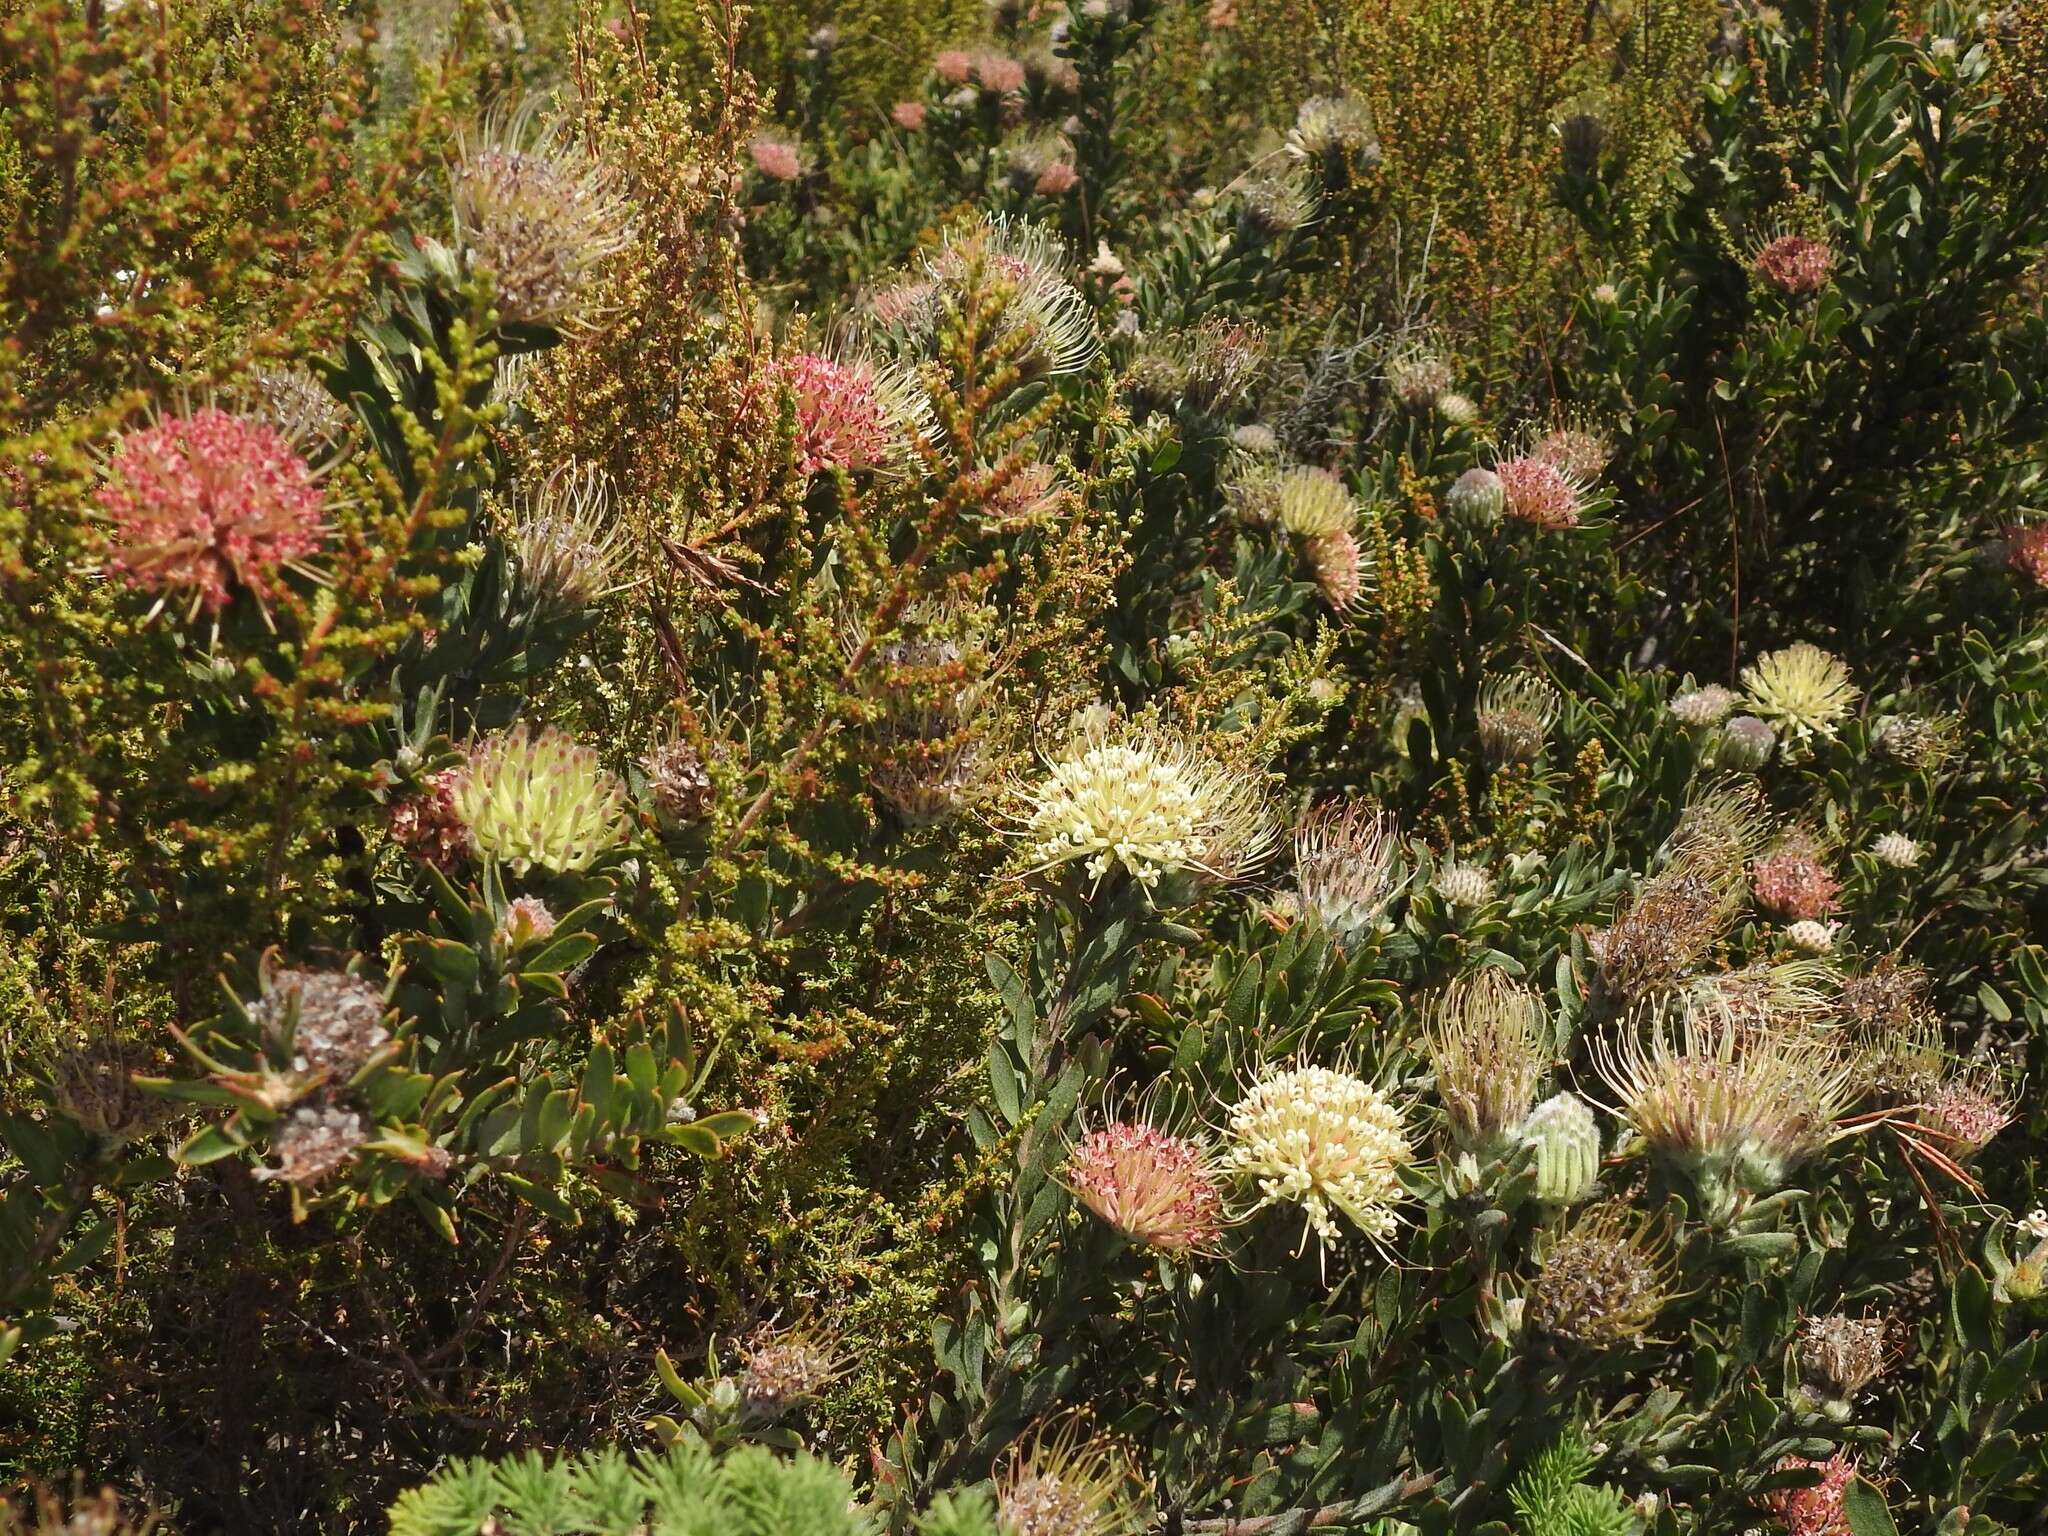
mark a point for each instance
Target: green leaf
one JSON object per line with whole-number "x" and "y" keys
{"x": 1864, "y": 1508}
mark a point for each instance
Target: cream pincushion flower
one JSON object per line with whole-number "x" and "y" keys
{"x": 1143, "y": 800}
{"x": 540, "y": 799}
{"x": 1323, "y": 1140}
{"x": 1802, "y": 689}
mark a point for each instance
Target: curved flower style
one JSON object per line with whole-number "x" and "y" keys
{"x": 1344, "y": 862}
{"x": 852, "y": 413}
{"x": 1603, "y": 1282}
{"x": 540, "y": 800}
{"x": 1159, "y": 1190}
{"x": 1064, "y": 1482}
{"x": 1801, "y": 689}
{"x": 1312, "y": 503}
{"x": 540, "y": 214}
{"x": 1146, "y": 801}
{"x": 1326, "y": 1141}
{"x": 206, "y": 503}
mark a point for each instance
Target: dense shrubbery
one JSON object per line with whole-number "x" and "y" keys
{"x": 1223, "y": 768}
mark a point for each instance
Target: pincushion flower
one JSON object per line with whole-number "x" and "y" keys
{"x": 1705, "y": 706}
{"x": 1794, "y": 264}
{"x": 1791, "y": 881}
{"x": 1817, "y": 1509}
{"x": 1339, "y": 567}
{"x": 540, "y": 800}
{"x": 1145, "y": 801}
{"x": 540, "y": 214}
{"x": 1064, "y": 1482}
{"x": 1040, "y": 304}
{"x": 1158, "y": 1190}
{"x": 1538, "y": 492}
{"x": 1313, "y": 503}
{"x": 571, "y": 551}
{"x": 1801, "y": 689}
{"x": 852, "y": 413}
{"x": 1325, "y": 1140}
{"x": 1604, "y": 1280}
{"x": 776, "y": 156}
{"x": 1515, "y": 712}
{"x": 1345, "y": 863}
{"x": 1489, "y": 1041}
{"x": 207, "y": 503}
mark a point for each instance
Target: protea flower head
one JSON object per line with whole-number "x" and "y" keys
{"x": 1312, "y": 503}
{"x": 1801, "y": 689}
{"x": 1207, "y": 367}
{"x": 1346, "y": 856}
{"x": 1257, "y": 439}
{"x": 294, "y": 401}
{"x": 1457, "y": 408}
{"x": 94, "y": 1086}
{"x": 204, "y": 504}
{"x": 1418, "y": 372}
{"x": 329, "y": 1020}
{"x": 1143, "y": 800}
{"x": 1895, "y": 850}
{"x": 527, "y": 921}
{"x": 853, "y": 413}
{"x": 1886, "y": 1002}
{"x": 999, "y": 74}
{"x": 1700, "y": 707}
{"x": 1967, "y": 1107}
{"x": 1278, "y": 204}
{"x": 1565, "y": 1136}
{"x": 1817, "y": 1509}
{"x": 570, "y": 549}
{"x": 1575, "y": 447}
{"x": 1791, "y": 879}
{"x": 953, "y": 65}
{"x": 1794, "y": 264}
{"x": 1746, "y": 744}
{"x": 1515, "y": 712}
{"x": 1604, "y": 1280}
{"x": 427, "y": 825}
{"x": 1063, "y": 1481}
{"x": 781, "y": 1370}
{"x": 1477, "y": 496}
{"x": 1735, "y": 1112}
{"x": 776, "y": 155}
{"x": 1042, "y": 309}
{"x": 1325, "y": 1140}
{"x": 1840, "y": 1355}
{"x": 1924, "y": 742}
{"x": 1538, "y": 492}
{"x": 1461, "y": 883}
{"x": 1251, "y": 489}
{"x": 1334, "y": 134}
{"x": 540, "y": 800}
{"x": 535, "y": 209}
{"x": 1490, "y": 1043}
{"x": 1041, "y": 165}
{"x": 908, "y": 115}
{"x": 1767, "y": 996}
{"x": 678, "y": 781}
{"x": 2026, "y": 551}
{"x": 1339, "y": 566}
{"x": 313, "y": 1143}
{"x": 1685, "y": 908}
{"x": 1158, "y": 1190}
{"x": 1811, "y": 936}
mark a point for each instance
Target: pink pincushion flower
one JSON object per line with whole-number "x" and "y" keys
{"x": 1794, "y": 885}
{"x": 1055, "y": 179}
{"x": 999, "y": 73}
{"x": 1538, "y": 491}
{"x": 1158, "y": 1190}
{"x": 1793, "y": 264}
{"x": 203, "y": 503}
{"x": 953, "y": 66}
{"x": 841, "y": 421}
{"x": 908, "y": 115}
{"x": 775, "y": 157}
{"x": 2026, "y": 549}
{"x": 1334, "y": 558}
{"x": 1814, "y": 1511}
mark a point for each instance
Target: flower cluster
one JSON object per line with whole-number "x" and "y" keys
{"x": 1326, "y": 1141}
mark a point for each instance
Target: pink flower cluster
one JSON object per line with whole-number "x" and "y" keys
{"x": 2026, "y": 550}
{"x": 1158, "y": 1190}
{"x": 1794, "y": 264}
{"x": 1814, "y": 1511}
{"x": 1537, "y": 491}
{"x": 775, "y": 157}
{"x": 840, "y": 419}
{"x": 1334, "y": 559}
{"x": 203, "y": 503}
{"x": 1794, "y": 885}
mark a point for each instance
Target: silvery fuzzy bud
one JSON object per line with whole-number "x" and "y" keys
{"x": 1477, "y": 496}
{"x": 1747, "y": 743}
{"x": 1566, "y": 1138}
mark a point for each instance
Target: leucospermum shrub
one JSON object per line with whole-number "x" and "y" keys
{"x": 1036, "y": 771}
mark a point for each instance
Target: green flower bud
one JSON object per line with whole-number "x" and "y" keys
{"x": 1566, "y": 1137}
{"x": 1477, "y": 496}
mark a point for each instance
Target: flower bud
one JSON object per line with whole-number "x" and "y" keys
{"x": 1747, "y": 743}
{"x": 1566, "y": 1137}
{"x": 1477, "y": 496}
